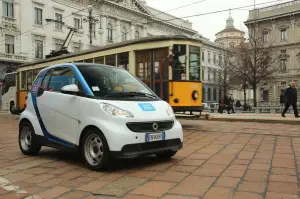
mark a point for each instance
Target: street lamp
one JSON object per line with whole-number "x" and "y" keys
{"x": 91, "y": 20}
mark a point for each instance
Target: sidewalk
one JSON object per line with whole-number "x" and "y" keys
{"x": 248, "y": 117}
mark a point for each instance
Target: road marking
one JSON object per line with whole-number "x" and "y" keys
{"x": 8, "y": 186}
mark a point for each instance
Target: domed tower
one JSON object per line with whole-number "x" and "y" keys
{"x": 230, "y": 37}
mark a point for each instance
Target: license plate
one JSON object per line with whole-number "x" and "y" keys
{"x": 150, "y": 137}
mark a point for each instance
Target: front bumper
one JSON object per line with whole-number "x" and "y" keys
{"x": 142, "y": 149}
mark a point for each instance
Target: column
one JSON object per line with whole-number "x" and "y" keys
{"x": 132, "y": 31}
{"x": 273, "y": 33}
{"x": 104, "y": 33}
{"x": 292, "y": 32}
{"x": 275, "y": 98}
{"x": 118, "y": 35}
{"x": 144, "y": 33}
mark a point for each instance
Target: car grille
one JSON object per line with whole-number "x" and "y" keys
{"x": 148, "y": 126}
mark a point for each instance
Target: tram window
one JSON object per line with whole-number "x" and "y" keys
{"x": 111, "y": 60}
{"x": 123, "y": 60}
{"x": 194, "y": 63}
{"x": 89, "y": 60}
{"x": 23, "y": 80}
{"x": 99, "y": 60}
{"x": 179, "y": 62}
{"x": 29, "y": 79}
{"x": 79, "y": 61}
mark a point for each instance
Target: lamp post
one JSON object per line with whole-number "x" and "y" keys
{"x": 91, "y": 20}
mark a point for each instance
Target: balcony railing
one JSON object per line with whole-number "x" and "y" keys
{"x": 278, "y": 6}
{"x": 13, "y": 57}
{"x": 9, "y": 20}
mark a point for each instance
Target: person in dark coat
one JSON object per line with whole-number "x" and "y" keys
{"x": 238, "y": 104}
{"x": 227, "y": 103}
{"x": 290, "y": 96}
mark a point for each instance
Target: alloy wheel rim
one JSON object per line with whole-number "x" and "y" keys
{"x": 26, "y": 138}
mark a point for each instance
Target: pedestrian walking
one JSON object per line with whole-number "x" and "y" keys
{"x": 290, "y": 98}
{"x": 231, "y": 104}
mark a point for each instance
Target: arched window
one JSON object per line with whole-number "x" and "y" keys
{"x": 109, "y": 32}
{"x": 124, "y": 34}
{"x": 137, "y": 34}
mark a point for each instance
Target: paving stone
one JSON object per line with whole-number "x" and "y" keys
{"x": 283, "y": 187}
{"x": 218, "y": 192}
{"x": 256, "y": 187}
{"x": 247, "y": 195}
{"x": 153, "y": 188}
{"x": 120, "y": 186}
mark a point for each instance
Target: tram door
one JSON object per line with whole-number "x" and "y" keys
{"x": 152, "y": 69}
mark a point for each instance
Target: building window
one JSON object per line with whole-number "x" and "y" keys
{"x": 231, "y": 44}
{"x": 208, "y": 74}
{"x": 58, "y": 46}
{"x": 203, "y": 94}
{"x": 76, "y": 49}
{"x": 220, "y": 60}
{"x": 209, "y": 94}
{"x": 137, "y": 34}
{"x": 76, "y": 23}
{"x": 124, "y": 34}
{"x": 283, "y": 51}
{"x": 202, "y": 73}
{"x": 283, "y": 34}
{"x": 283, "y": 65}
{"x": 9, "y": 44}
{"x": 109, "y": 32}
{"x": 38, "y": 16}
{"x": 265, "y": 36}
{"x": 8, "y": 8}
{"x": 215, "y": 76}
{"x": 208, "y": 55}
{"x": 38, "y": 49}
{"x": 265, "y": 96}
{"x": 215, "y": 59}
{"x": 202, "y": 56}
{"x": 215, "y": 94}
{"x": 93, "y": 30}
{"x": 58, "y": 17}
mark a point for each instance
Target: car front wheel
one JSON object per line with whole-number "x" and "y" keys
{"x": 95, "y": 150}
{"x": 27, "y": 139}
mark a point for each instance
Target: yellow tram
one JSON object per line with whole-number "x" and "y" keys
{"x": 169, "y": 65}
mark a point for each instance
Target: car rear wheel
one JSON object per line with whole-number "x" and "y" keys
{"x": 166, "y": 155}
{"x": 27, "y": 139}
{"x": 95, "y": 150}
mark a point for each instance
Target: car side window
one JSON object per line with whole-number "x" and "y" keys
{"x": 46, "y": 79}
{"x": 61, "y": 77}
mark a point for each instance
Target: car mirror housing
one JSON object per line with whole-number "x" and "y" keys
{"x": 70, "y": 89}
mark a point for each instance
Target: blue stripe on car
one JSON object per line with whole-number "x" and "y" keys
{"x": 33, "y": 93}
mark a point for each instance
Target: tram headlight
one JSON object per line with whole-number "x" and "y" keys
{"x": 195, "y": 95}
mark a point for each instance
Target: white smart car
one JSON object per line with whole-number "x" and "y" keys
{"x": 103, "y": 111}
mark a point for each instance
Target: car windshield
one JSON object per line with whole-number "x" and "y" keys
{"x": 110, "y": 82}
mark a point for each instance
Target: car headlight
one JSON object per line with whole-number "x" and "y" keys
{"x": 115, "y": 111}
{"x": 195, "y": 95}
{"x": 170, "y": 111}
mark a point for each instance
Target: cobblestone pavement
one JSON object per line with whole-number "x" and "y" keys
{"x": 219, "y": 160}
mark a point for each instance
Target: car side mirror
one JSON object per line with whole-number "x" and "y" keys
{"x": 71, "y": 89}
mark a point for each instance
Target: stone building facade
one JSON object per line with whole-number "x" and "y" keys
{"x": 26, "y": 36}
{"x": 279, "y": 26}
{"x": 212, "y": 56}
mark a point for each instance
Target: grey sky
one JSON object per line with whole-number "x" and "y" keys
{"x": 210, "y": 24}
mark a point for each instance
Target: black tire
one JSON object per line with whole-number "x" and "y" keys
{"x": 166, "y": 155}
{"x": 12, "y": 108}
{"x": 28, "y": 149}
{"x": 106, "y": 158}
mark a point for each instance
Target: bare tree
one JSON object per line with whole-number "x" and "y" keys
{"x": 254, "y": 61}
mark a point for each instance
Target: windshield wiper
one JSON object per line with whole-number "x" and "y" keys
{"x": 125, "y": 94}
